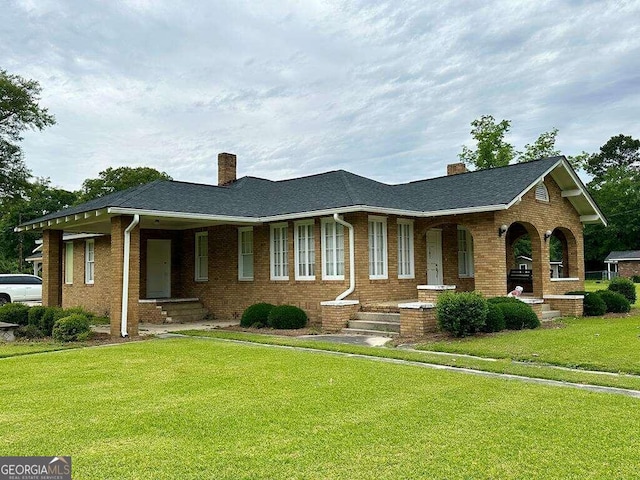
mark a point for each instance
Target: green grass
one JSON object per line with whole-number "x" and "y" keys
{"x": 595, "y": 343}
{"x": 190, "y": 408}
{"x": 593, "y": 285}
{"x": 11, "y": 349}
{"x": 500, "y": 365}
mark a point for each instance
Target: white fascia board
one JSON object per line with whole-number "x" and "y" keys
{"x": 584, "y": 191}
{"x": 616, "y": 260}
{"x": 64, "y": 219}
{"x": 188, "y": 216}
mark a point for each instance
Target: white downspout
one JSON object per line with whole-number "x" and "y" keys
{"x": 125, "y": 275}
{"x": 352, "y": 258}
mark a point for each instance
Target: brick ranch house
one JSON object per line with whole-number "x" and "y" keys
{"x": 328, "y": 243}
{"x": 623, "y": 263}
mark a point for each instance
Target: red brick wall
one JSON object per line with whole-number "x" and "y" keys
{"x": 628, "y": 269}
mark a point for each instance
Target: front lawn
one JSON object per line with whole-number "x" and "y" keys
{"x": 189, "y": 408}
{"x": 593, "y": 285}
{"x": 11, "y": 349}
{"x": 596, "y": 343}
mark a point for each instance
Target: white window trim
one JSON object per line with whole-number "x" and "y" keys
{"x": 385, "y": 270}
{"x": 68, "y": 265}
{"x": 272, "y": 229}
{"x": 412, "y": 273}
{"x": 296, "y": 252}
{"x": 241, "y": 275}
{"x": 199, "y": 277}
{"x": 470, "y": 265}
{"x": 323, "y": 247}
{"x": 87, "y": 280}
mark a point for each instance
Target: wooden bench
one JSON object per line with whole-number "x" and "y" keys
{"x": 524, "y": 278}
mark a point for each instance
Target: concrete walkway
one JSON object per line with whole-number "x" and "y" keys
{"x": 469, "y": 371}
{"x": 145, "y": 329}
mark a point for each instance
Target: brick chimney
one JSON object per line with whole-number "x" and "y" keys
{"x": 456, "y": 168}
{"x": 226, "y": 168}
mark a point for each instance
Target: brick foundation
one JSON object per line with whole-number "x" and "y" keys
{"x": 417, "y": 319}
{"x": 336, "y": 314}
{"x": 568, "y": 305}
{"x": 430, "y": 293}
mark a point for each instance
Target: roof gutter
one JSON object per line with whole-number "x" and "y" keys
{"x": 125, "y": 275}
{"x": 352, "y": 258}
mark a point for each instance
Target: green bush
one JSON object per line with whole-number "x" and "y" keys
{"x": 461, "y": 314}
{"x": 70, "y": 311}
{"x": 14, "y": 313}
{"x": 287, "y": 317}
{"x": 495, "y": 319}
{"x": 256, "y": 315}
{"x": 615, "y": 302}
{"x": 593, "y": 305}
{"x": 49, "y": 318}
{"x": 635, "y": 279}
{"x": 35, "y": 315}
{"x": 517, "y": 314}
{"x": 72, "y": 328}
{"x": 29, "y": 331}
{"x": 625, "y": 287}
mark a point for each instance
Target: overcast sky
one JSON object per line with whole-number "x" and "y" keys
{"x": 382, "y": 89}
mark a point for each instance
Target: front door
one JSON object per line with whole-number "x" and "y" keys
{"x": 158, "y": 268}
{"x": 434, "y": 257}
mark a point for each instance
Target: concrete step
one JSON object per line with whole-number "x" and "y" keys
{"x": 377, "y": 325}
{"x": 376, "y": 333}
{"x": 183, "y": 312}
{"x": 550, "y": 314}
{"x": 377, "y": 317}
{"x": 194, "y": 310}
{"x": 180, "y": 306}
{"x": 184, "y": 318}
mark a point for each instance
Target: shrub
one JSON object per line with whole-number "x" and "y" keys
{"x": 593, "y": 305}
{"x": 517, "y": 314}
{"x": 256, "y": 315}
{"x": 14, "y": 313}
{"x": 35, "y": 315}
{"x": 70, "y": 311}
{"x": 49, "y": 318}
{"x": 625, "y": 287}
{"x": 287, "y": 317}
{"x": 72, "y": 328}
{"x": 495, "y": 319}
{"x": 28, "y": 331}
{"x": 462, "y": 313}
{"x": 635, "y": 279}
{"x": 615, "y": 302}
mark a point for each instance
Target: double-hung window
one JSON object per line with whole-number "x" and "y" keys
{"x": 68, "y": 263}
{"x": 245, "y": 253}
{"x": 405, "y": 249}
{"x": 279, "y": 252}
{"x": 305, "y": 253}
{"x": 89, "y": 262}
{"x": 202, "y": 256}
{"x": 332, "y": 250}
{"x": 465, "y": 253}
{"x": 377, "y": 248}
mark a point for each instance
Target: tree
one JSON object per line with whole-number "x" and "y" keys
{"x": 117, "y": 179}
{"x": 621, "y": 151}
{"x": 19, "y": 111}
{"x": 544, "y": 146}
{"x": 492, "y": 150}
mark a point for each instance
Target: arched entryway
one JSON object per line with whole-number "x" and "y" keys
{"x": 524, "y": 258}
{"x": 563, "y": 254}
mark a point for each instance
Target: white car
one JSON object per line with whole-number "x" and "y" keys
{"x": 20, "y": 288}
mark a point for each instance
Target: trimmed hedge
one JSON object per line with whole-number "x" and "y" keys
{"x": 517, "y": 314}
{"x": 625, "y": 287}
{"x": 256, "y": 315}
{"x": 14, "y": 313}
{"x": 593, "y": 304}
{"x": 287, "y": 317}
{"x": 49, "y": 319}
{"x": 73, "y": 328}
{"x": 29, "y": 332}
{"x": 495, "y": 319}
{"x": 615, "y": 302}
{"x": 635, "y": 279}
{"x": 461, "y": 314}
{"x": 35, "y": 315}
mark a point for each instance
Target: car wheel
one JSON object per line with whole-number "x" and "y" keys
{"x": 4, "y": 299}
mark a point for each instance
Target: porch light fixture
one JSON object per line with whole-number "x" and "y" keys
{"x": 547, "y": 235}
{"x": 502, "y": 229}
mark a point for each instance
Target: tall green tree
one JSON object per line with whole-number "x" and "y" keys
{"x": 544, "y": 146}
{"x": 116, "y": 179}
{"x": 620, "y": 152}
{"x": 19, "y": 111}
{"x": 491, "y": 148}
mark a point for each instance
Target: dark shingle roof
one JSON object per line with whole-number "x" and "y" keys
{"x": 623, "y": 255}
{"x": 256, "y": 197}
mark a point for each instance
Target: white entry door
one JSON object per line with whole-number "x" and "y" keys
{"x": 158, "y": 268}
{"x": 434, "y": 257}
